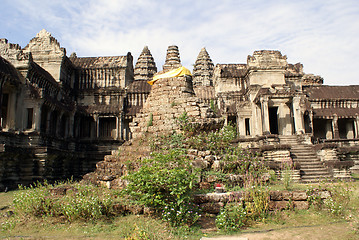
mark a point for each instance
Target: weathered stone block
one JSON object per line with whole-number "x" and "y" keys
{"x": 299, "y": 196}
{"x": 278, "y": 205}
{"x": 301, "y": 205}
{"x": 213, "y": 207}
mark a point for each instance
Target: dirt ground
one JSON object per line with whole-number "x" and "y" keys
{"x": 342, "y": 231}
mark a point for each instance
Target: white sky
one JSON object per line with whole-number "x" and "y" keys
{"x": 321, "y": 34}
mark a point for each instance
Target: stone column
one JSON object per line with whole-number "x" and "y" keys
{"x": 298, "y": 116}
{"x": 241, "y": 126}
{"x": 48, "y": 119}
{"x": 350, "y": 129}
{"x": 58, "y": 125}
{"x": 265, "y": 114}
{"x": 335, "y": 127}
{"x": 118, "y": 130}
{"x": 97, "y": 126}
{"x": 356, "y": 126}
{"x": 71, "y": 125}
{"x": 37, "y": 118}
{"x": 12, "y": 110}
{"x": 329, "y": 129}
{"x": 284, "y": 122}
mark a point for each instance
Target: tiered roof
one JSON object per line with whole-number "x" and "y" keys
{"x": 203, "y": 69}
{"x": 173, "y": 60}
{"x": 145, "y": 66}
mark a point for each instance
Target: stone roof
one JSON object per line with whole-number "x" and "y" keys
{"x": 340, "y": 112}
{"x": 232, "y": 70}
{"x": 132, "y": 111}
{"x": 8, "y": 70}
{"x": 45, "y": 74}
{"x": 333, "y": 92}
{"x": 101, "y": 109}
{"x": 99, "y": 62}
{"x": 139, "y": 86}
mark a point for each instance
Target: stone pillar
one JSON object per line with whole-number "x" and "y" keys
{"x": 48, "y": 119}
{"x": 71, "y": 125}
{"x": 350, "y": 129}
{"x": 118, "y": 128}
{"x": 335, "y": 127}
{"x": 58, "y": 125}
{"x": 265, "y": 115}
{"x": 356, "y": 126}
{"x": 241, "y": 126}
{"x": 36, "y": 125}
{"x": 329, "y": 130}
{"x": 298, "y": 116}
{"x": 284, "y": 122}
{"x": 12, "y": 110}
{"x": 97, "y": 126}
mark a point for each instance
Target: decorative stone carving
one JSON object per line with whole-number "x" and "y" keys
{"x": 267, "y": 59}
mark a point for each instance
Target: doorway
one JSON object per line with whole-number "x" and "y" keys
{"x": 273, "y": 120}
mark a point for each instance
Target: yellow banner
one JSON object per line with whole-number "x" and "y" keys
{"x": 174, "y": 73}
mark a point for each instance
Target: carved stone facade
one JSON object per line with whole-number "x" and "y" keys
{"x": 62, "y": 114}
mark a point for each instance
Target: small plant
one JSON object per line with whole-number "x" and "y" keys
{"x": 150, "y": 121}
{"x": 287, "y": 169}
{"x": 257, "y": 202}
{"x": 338, "y": 201}
{"x": 232, "y": 217}
{"x": 184, "y": 123}
{"x": 173, "y": 104}
{"x": 213, "y": 106}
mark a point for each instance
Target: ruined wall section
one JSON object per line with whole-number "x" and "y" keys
{"x": 168, "y": 100}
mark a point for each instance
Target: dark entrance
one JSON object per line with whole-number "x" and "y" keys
{"x": 246, "y": 122}
{"x": 273, "y": 120}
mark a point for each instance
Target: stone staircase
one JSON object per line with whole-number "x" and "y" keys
{"x": 311, "y": 168}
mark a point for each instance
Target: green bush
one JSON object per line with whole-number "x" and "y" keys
{"x": 164, "y": 183}
{"x": 253, "y": 208}
{"x": 84, "y": 202}
{"x": 232, "y": 218}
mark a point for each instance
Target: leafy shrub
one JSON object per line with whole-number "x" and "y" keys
{"x": 84, "y": 202}
{"x": 339, "y": 199}
{"x": 257, "y": 202}
{"x": 233, "y": 217}
{"x": 254, "y": 207}
{"x": 164, "y": 182}
{"x": 184, "y": 123}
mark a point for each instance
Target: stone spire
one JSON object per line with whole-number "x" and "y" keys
{"x": 173, "y": 60}
{"x": 145, "y": 66}
{"x": 203, "y": 69}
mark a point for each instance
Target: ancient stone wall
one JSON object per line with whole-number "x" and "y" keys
{"x": 168, "y": 100}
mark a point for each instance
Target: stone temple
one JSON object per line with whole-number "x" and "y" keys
{"x": 60, "y": 115}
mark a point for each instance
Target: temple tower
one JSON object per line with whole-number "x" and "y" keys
{"x": 203, "y": 69}
{"x": 173, "y": 60}
{"x": 145, "y": 66}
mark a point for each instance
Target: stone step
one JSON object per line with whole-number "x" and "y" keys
{"x": 311, "y": 166}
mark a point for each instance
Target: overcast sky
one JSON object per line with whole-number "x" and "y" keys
{"x": 321, "y": 34}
